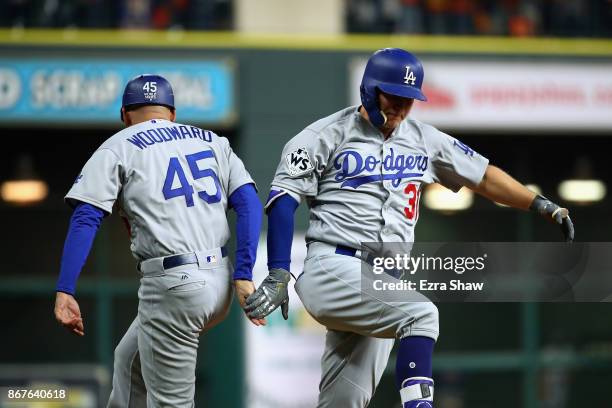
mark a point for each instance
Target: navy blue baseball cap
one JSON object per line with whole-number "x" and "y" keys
{"x": 148, "y": 89}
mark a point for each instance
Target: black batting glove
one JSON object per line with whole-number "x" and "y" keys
{"x": 271, "y": 294}
{"x": 554, "y": 213}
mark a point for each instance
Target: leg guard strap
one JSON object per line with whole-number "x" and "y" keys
{"x": 417, "y": 388}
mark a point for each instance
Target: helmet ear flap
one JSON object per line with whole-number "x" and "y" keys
{"x": 384, "y": 117}
{"x": 369, "y": 99}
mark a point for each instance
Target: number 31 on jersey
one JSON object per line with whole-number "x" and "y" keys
{"x": 411, "y": 211}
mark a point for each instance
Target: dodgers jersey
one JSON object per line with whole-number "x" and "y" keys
{"x": 170, "y": 181}
{"x": 363, "y": 188}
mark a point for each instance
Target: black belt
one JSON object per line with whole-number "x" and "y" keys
{"x": 365, "y": 257}
{"x": 348, "y": 251}
{"x": 173, "y": 261}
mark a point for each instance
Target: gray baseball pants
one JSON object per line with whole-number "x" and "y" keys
{"x": 156, "y": 358}
{"x": 360, "y": 327}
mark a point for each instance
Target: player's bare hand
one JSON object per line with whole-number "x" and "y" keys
{"x": 271, "y": 294}
{"x": 244, "y": 289}
{"x": 68, "y": 313}
{"x": 556, "y": 214}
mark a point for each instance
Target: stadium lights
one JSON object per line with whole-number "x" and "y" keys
{"x": 26, "y": 188}
{"x": 533, "y": 187}
{"x": 583, "y": 189}
{"x": 24, "y": 192}
{"x": 439, "y": 198}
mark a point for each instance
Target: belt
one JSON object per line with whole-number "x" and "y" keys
{"x": 173, "y": 261}
{"x": 348, "y": 251}
{"x": 365, "y": 257}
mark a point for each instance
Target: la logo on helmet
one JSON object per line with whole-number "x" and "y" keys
{"x": 409, "y": 78}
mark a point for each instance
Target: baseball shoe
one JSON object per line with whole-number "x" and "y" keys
{"x": 417, "y": 392}
{"x": 418, "y": 404}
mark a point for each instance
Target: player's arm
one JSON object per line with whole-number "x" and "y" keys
{"x": 499, "y": 186}
{"x": 84, "y": 225}
{"x": 303, "y": 160}
{"x": 455, "y": 165}
{"x": 245, "y": 202}
{"x": 273, "y": 292}
{"x": 280, "y": 209}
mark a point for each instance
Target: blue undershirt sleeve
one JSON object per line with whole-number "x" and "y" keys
{"x": 280, "y": 231}
{"x": 83, "y": 227}
{"x": 249, "y": 210}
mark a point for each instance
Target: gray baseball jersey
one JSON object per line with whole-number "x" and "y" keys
{"x": 170, "y": 181}
{"x": 362, "y": 188}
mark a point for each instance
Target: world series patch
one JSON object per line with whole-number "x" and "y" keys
{"x": 299, "y": 162}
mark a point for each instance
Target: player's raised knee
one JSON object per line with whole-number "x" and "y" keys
{"x": 425, "y": 323}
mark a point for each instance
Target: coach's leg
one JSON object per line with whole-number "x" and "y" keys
{"x": 168, "y": 364}
{"x": 351, "y": 366}
{"x": 171, "y": 313}
{"x": 128, "y": 386}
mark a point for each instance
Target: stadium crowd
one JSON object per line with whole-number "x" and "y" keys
{"x": 558, "y": 18}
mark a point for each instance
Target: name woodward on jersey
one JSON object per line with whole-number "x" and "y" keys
{"x": 149, "y": 137}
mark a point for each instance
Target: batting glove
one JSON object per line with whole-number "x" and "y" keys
{"x": 555, "y": 213}
{"x": 271, "y": 294}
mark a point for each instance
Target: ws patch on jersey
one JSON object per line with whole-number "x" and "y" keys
{"x": 299, "y": 162}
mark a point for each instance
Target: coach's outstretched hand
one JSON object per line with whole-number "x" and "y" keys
{"x": 271, "y": 294}
{"x": 554, "y": 212}
{"x": 244, "y": 289}
{"x": 68, "y": 313}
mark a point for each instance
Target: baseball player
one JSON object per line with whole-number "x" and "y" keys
{"x": 361, "y": 172}
{"x": 173, "y": 184}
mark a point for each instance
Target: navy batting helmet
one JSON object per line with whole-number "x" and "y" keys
{"x": 393, "y": 71}
{"x": 148, "y": 89}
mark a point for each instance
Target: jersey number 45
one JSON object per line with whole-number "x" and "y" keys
{"x": 185, "y": 189}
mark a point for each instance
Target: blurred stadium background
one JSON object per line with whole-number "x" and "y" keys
{"x": 527, "y": 83}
